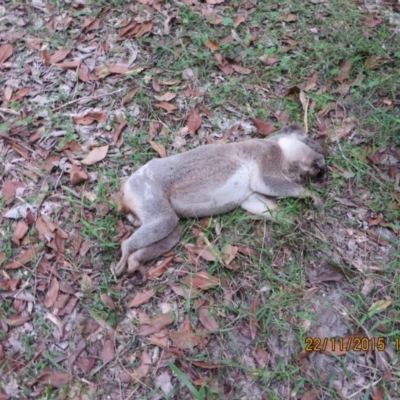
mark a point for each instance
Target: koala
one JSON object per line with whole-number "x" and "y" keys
{"x": 210, "y": 180}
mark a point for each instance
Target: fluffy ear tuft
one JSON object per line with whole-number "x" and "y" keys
{"x": 293, "y": 128}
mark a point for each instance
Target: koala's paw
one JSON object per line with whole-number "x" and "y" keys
{"x": 135, "y": 265}
{"x": 120, "y": 268}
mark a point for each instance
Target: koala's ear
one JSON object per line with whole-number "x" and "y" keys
{"x": 294, "y": 129}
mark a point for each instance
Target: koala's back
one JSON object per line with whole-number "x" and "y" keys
{"x": 210, "y": 179}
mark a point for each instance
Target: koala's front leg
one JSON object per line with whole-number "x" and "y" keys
{"x": 281, "y": 187}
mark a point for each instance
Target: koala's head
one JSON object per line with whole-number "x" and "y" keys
{"x": 302, "y": 156}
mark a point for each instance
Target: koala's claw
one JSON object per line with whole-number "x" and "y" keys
{"x": 119, "y": 269}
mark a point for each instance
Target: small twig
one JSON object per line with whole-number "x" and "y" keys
{"x": 85, "y": 99}
{"x": 8, "y": 111}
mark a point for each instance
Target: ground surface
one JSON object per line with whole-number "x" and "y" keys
{"x": 92, "y": 90}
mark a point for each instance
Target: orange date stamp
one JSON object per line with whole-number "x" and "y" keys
{"x": 350, "y": 343}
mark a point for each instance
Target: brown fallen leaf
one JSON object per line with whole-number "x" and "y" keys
{"x": 375, "y": 62}
{"x": 96, "y": 155}
{"x": 263, "y": 128}
{"x": 211, "y": 17}
{"x": 108, "y": 301}
{"x": 77, "y": 175}
{"x": 241, "y": 70}
{"x": 159, "y": 270}
{"x": 311, "y": 82}
{"x": 8, "y": 192}
{"x": 201, "y": 280}
{"x": 207, "y": 320}
{"x": 130, "y": 95}
{"x": 206, "y": 364}
{"x": 159, "y": 148}
{"x": 46, "y": 57}
{"x": 212, "y": 45}
{"x": 202, "y": 252}
{"x": 26, "y": 257}
{"x": 155, "y": 324}
{"x": 52, "y": 293}
{"x": 393, "y": 171}
{"x": 343, "y": 132}
{"x": 269, "y": 60}
{"x": 166, "y": 106}
{"x": 229, "y": 254}
{"x": 2, "y": 257}
{"x": 186, "y": 338}
{"x": 90, "y": 117}
{"x": 59, "y": 55}
{"x": 247, "y": 251}
{"x": 56, "y": 379}
{"x": 344, "y": 70}
{"x": 166, "y": 97}
{"x": 19, "y": 232}
{"x": 310, "y": 395}
{"x": 6, "y": 51}
{"x": 291, "y": 18}
{"x": 193, "y": 122}
{"x": 371, "y": 21}
{"x": 238, "y": 20}
{"x": 108, "y": 352}
{"x": 141, "y": 298}
{"x": 378, "y": 238}
{"x": 68, "y": 64}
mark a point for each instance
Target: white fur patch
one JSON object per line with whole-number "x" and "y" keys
{"x": 291, "y": 148}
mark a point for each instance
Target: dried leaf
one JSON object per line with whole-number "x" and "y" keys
{"x": 19, "y": 232}
{"x": 238, "y": 20}
{"x": 166, "y": 106}
{"x": 211, "y": 17}
{"x": 159, "y": 148}
{"x": 52, "y": 293}
{"x": 374, "y": 62}
{"x": 8, "y": 191}
{"x": 77, "y": 175}
{"x": 185, "y": 339}
{"x": 159, "y": 270}
{"x": 56, "y": 379}
{"x": 343, "y": 132}
{"x": 202, "y": 252}
{"x": 201, "y": 280}
{"x": 269, "y": 60}
{"x": 156, "y": 324}
{"x": 241, "y": 70}
{"x": 6, "y": 51}
{"x": 207, "y": 320}
{"x": 166, "y": 97}
{"x": 91, "y": 117}
{"x": 378, "y": 306}
{"x": 345, "y": 68}
{"x": 229, "y": 254}
{"x": 263, "y": 128}
{"x": 141, "y": 298}
{"x": 130, "y": 95}
{"x": 59, "y": 55}
{"x": 108, "y": 351}
{"x": 96, "y": 155}
{"x": 371, "y": 21}
{"x": 46, "y": 57}
{"x": 194, "y": 121}
{"x": 212, "y": 45}
{"x": 107, "y": 300}
{"x": 291, "y": 18}
{"x": 68, "y": 64}
{"x": 26, "y": 257}
{"x": 311, "y": 82}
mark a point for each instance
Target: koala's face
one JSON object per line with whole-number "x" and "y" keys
{"x": 303, "y": 157}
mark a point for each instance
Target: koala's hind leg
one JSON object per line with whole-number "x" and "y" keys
{"x": 260, "y": 205}
{"x": 141, "y": 256}
{"x": 158, "y": 221}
